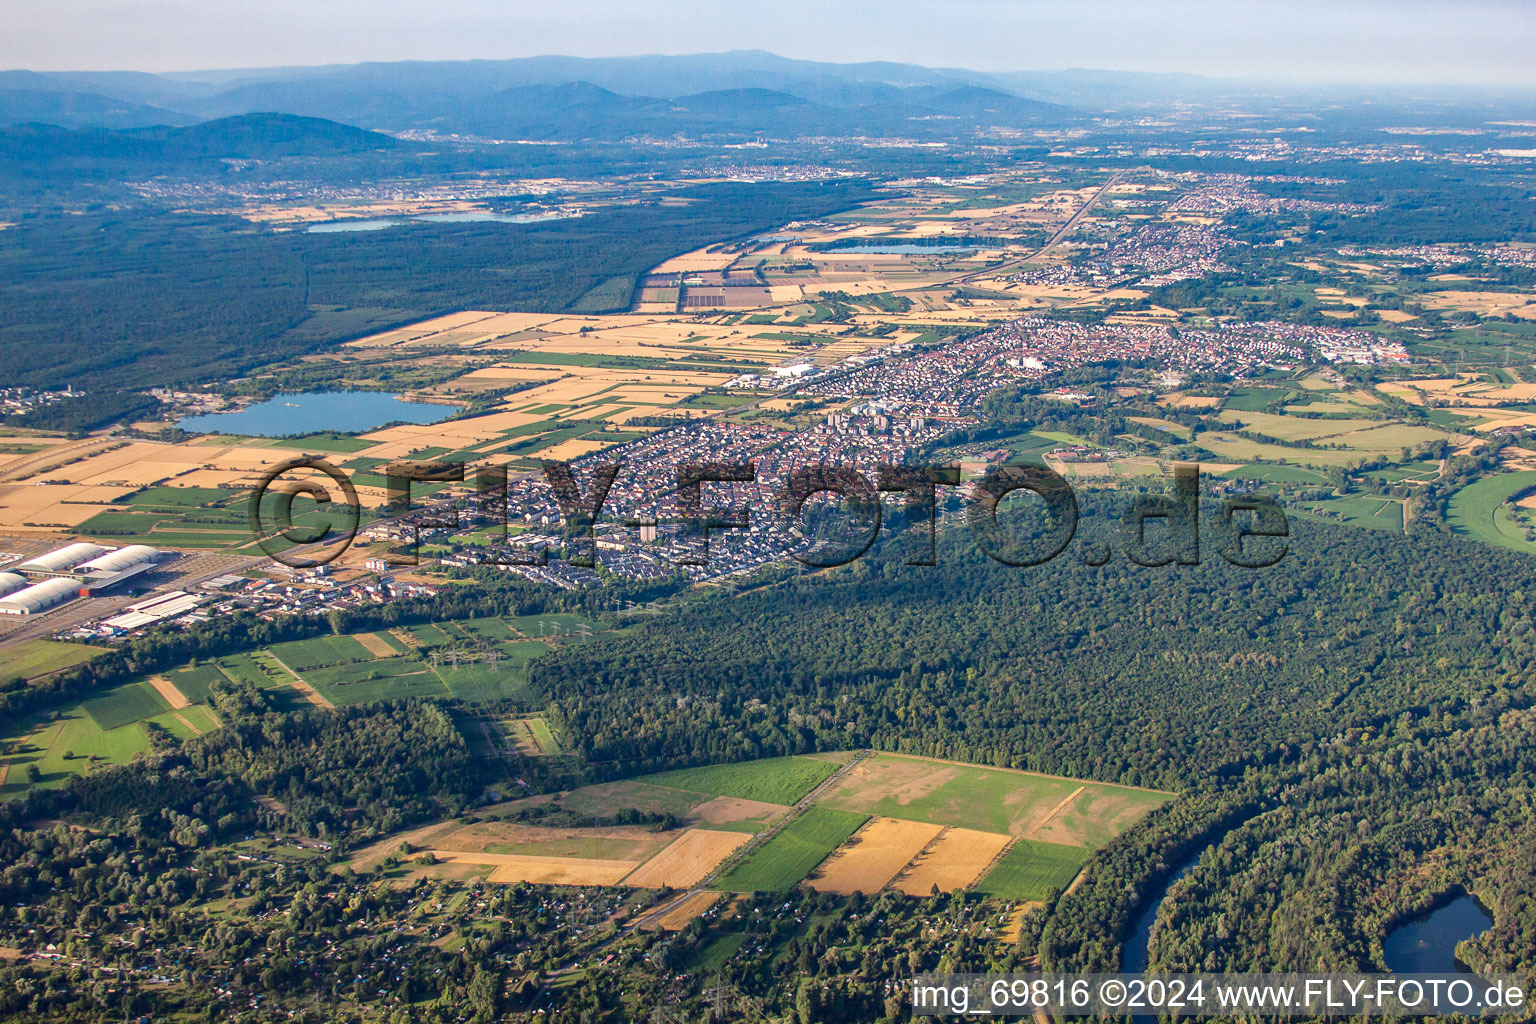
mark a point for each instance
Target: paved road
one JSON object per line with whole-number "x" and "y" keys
{"x": 1061, "y": 233}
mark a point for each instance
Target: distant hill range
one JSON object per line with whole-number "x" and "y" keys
{"x": 244, "y": 137}
{"x": 733, "y": 96}
{"x": 738, "y": 94}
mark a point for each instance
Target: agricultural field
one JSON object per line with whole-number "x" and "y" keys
{"x": 786, "y": 858}
{"x": 955, "y": 860}
{"x": 608, "y": 798}
{"x": 1481, "y": 510}
{"x": 530, "y": 737}
{"x": 570, "y": 838}
{"x": 779, "y": 780}
{"x": 63, "y": 748}
{"x": 993, "y": 800}
{"x": 301, "y": 655}
{"x": 195, "y": 684}
{"x": 1364, "y": 511}
{"x": 687, "y": 861}
{"x": 1275, "y": 474}
{"x": 1033, "y": 870}
{"x": 633, "y": 856}
{"x": 873, "y": 856}
{"x": 125, "y": 704}
{"x": 33, "y": 658}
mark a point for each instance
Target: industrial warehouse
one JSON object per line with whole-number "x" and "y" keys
{"x": 64, "y": 574}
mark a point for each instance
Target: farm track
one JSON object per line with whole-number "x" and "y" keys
{"x": 184, "y": 720}
{"x": 167, "y": 689}
{"x": 1037, "y": 826}
{"x": 310, "y": 693}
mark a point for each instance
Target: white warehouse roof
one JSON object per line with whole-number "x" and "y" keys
{"x": 39, "y": 598}
{"x": 63, "y": 558}
{"x": 10, "y": 583}
{"x": 119, "y": 560}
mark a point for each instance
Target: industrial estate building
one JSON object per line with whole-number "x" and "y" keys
{"x": 75, "y": 570}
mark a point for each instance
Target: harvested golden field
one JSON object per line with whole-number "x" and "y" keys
{"x": 954, "y": 861}
{"x": 873, "y": 856}
{"x": 701, "y": 259}
{"x": 1468, "y": 389}
{"x": 1014, "y": 929}
{"x": 623, "y": 842}
{"x": 688, "y": 860}
{"x": 165, "y": 688}
{"x": 573, "y": 449}
{"x": 1520, "y": 304}
{"x": 374, "y": 645}
{"x": 511, "y": 869}
{"x": 1292, "y": 428}
{"x": 680, "y": 913}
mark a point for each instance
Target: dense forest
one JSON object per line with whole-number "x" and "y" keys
{"x": 137, "y": 299}
{"x": 1348, "y": 729}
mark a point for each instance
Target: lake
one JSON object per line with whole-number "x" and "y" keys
{"x": 344, "y": 412}
{"x": 1426, "y": 943}
{"x": 1423, "y": 944}
{"x": 380, "y": 223}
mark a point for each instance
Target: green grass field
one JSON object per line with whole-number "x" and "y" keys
{"x": 302, "y": 655}
{"x": 714, "y": 953}
{"x": 32, "y": 658}
{"x": 1031, "y": 870}
{"x": 493, "y": 630}
{"x": 990, "y": 799}
{"x": 775, "y": 780}
{"x": 1371, "y": 513}
{"x": 125, "y": 704}
{"x": 384, "y": 679}
{"x": 430, "y": 635}
{"x": 479, "y": 683}
{"x": 1252, "y": 399}
{"x": 195, "y": 683}
{"x": 1062, "y": 437}
{"x": 180, "y": 497}
{"x": 76, "y": 734}
{"x": 544, "y": 735}
{"x": 556, "y": 624}
{"x": 200, "y": 716}
{"x": 324, "y": 443}
{"x": 1410, "y": 471}
{"x": 1477, "y": 510}
{"x": 966, "y": 796}
{"x": 1274, "y": 474}
{"x": 784, "y": 860}
{"x": 241, "y": 668}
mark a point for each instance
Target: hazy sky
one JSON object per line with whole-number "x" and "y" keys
{"x": 1387, "y": 41}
